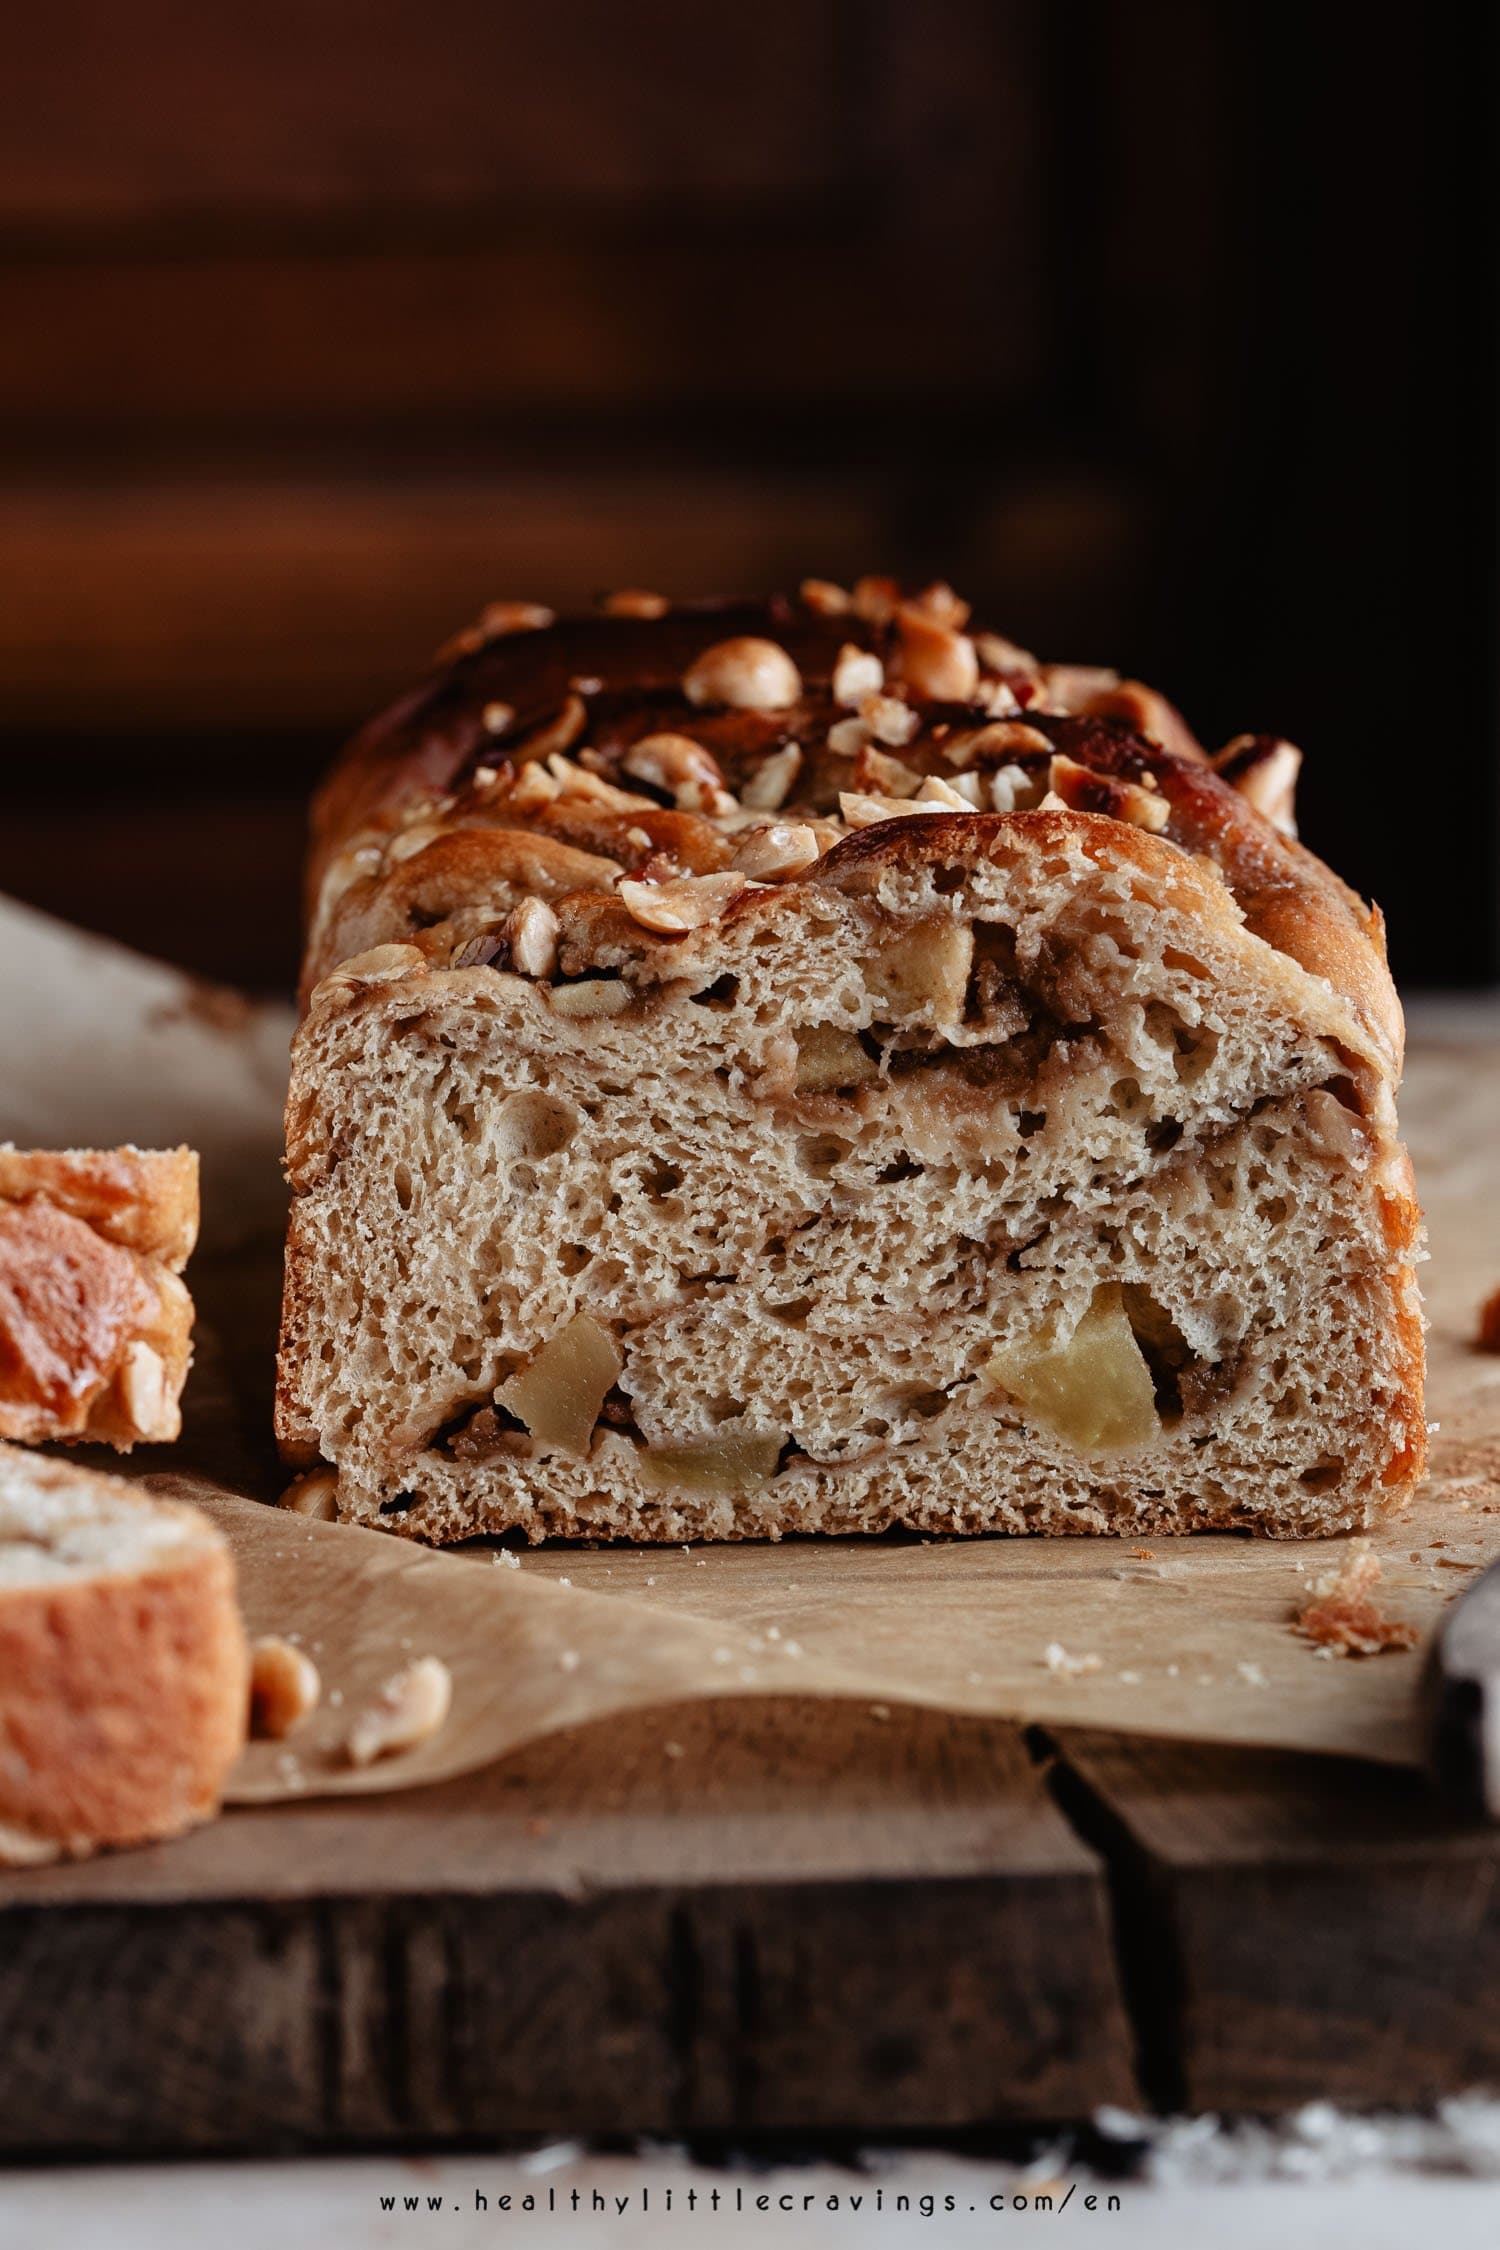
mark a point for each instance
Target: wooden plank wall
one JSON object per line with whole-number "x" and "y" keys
{"x": 320, "y": 325}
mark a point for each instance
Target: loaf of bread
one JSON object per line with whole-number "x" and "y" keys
{"x": 95, "y": 1325}
{"x": 813, "y": 1068}
{"x": 124, "y": 1681}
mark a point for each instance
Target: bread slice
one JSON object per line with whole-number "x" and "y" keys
{"x": 815, "y": 1069}
{"x": 95, "y": 1325}
{"x": 124, "y": 1681}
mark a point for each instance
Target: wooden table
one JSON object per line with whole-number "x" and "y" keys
{"x": 806, "y": 1919}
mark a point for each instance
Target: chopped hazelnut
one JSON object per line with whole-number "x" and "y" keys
{"x": 936, "y": 791}
{"x": 494, "y": 623}
{"x": 1081, "y": 790}
{"x": 941, "y": 606}
{"x": 682, "y": 767}
{"x": 862, "y": 811}
{"x": 746, "y": 674}
{"x": 410, "y": 1708}
{"x": 533, "y": 930}
{"x": 876, "y": 599}
{"x": 937, "y": 662}
{"x": 769, "y": 786}
{"x": 284, "y": 1688}
{"x": 315, "y": 1494}
{"x": 997, "y": 654}
{"x": 634, "y": 601}
{"x": 686, "y": 903}
{"x": 857, "y": 673}
{"x": 824, "y": 598}
{"x": 781, "y": 849}
{"x": 1264, "y": 770}
{"x": 877, "y": 774}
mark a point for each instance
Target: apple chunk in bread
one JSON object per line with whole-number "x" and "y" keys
{"x": 1093, "y": 1391}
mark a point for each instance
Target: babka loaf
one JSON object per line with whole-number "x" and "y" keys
{"x": 811, "y": 1068}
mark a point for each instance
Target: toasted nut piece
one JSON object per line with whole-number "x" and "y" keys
{"x": 412, "y": 840}
{"x": 1013, "y": 789}
{"x": 877, "y": 774}
{"x": 21, "y": 1847}
{"x": 691, "y": 774}
{"x": 925, "y": 970}
{"x": 634, "y": 601}
{"x": 1264, "y": 770}
{"x": 284, "y": 1688}
{"x": 144, "y": 1396}
{"x": 824, "y": 598}
{"x": 1488, "y": 1338}
{"x": 860, "y": 811}
{"x": 746, "y": 674}
{"x": 876, "y": 599}
{"x": 1006, "y": 738}
{"x": 889, "y": 720}
{"x": 1094, "y": 1391}
{"x": 559, "y": 1392}
{"x": 497, "y": 718}
{"x": 997, "y": 654}
{"x": 532, "y": 930}
{"x": 684, "y": 904}
{"x": 857, "y": 673}
{"x": 592, "y": 996}
{"x": 936, "y": 662}
{"x": 1067, "y": 688}
{"x": 784, "y": 848}
{"x": 941, "y": 606}
{"x": 830, "y": 1058}
{"x": 847, "y": 737}
{"x": 997, "y": 697}
{"x": 576, "y": 781}
{"x": 556, "y": 734}
{"x": 409, "y": 1710}
{"x": 936, "y": 791}
{"x": 494, "y": 622}
{"x": 316, "y": 1494}
{"x": 730, "y": 1464}
{"x": 528, "y": 790}
{"x": 383, "y": 964}
{"x": 770, "y": 785}
{"x": 1083, "y": 791}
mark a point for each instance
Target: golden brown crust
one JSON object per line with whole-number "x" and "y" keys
{"x": 95, "y": 1326}
{"x": 123, "y": 1692}
{"x": 431, "y": 775}
{"x": 144, "y": 1199}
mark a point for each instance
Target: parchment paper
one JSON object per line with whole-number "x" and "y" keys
{"x": 1192, "y": 1640}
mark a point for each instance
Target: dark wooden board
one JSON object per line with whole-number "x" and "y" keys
{"x": 1293, "y": 1928}
{"x": 809, "y": 1918}
{"x": 803, "y": 1918}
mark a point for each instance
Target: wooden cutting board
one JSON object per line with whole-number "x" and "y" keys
{"x": 803, "y": 1918}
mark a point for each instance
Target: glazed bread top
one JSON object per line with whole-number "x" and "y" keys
{"x": 605, "y": 764}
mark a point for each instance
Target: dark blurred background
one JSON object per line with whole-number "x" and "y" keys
{"x": 1164, "y": 329}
